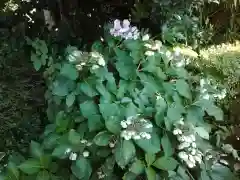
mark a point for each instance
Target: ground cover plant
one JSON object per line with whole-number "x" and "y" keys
{"x": 135, "y": 104}
{"x": 127, "y": 109}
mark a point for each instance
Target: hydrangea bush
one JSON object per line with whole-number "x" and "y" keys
{"x": 126, "y": 110}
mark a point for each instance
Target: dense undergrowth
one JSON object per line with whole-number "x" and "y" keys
{"x": 124, "y": 101}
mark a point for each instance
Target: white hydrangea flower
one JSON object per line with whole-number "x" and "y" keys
{"x": 124, "y": 124}
{"x": 86, "y": 154}
{"x": 83, "y": 141}
{"x": 146, "y": 37}
{"x": 73, "y": 156}
{"x": 125, "y": 30}
{"x": 68, "y": 150}
{"x": 136, "y": 137}
{"x": 111, "y": 145}
{"x": 183, "y": 155}
{"x": 190, "y": 164}
{"x": 148, "y": 126}
{"x": 148, "y": 136}
{"x": 149, "y": 53}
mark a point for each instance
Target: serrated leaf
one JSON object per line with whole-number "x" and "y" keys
{"x": 102, "y": 138}
{"x": 150, "y": 145}
{"x": 202, "y": 132}
{"x": 60, "y": 151}
{"x": 129, "y": 176}
{"x": 150, "y": 158}
{"x": 167, "y": 146}
{"x": 30, "y": 166}
{"x": 74, "y": 137}
{"x": 183, "y": 88}
{"x": 123, "y": 85}
{"x": 43, "y": 175}
{"x": 124, "y": 152}
{"x": 174, "y": 112}
{"x": 87, "y": 89}
{"x": 37, "y": 64}
{"x": 68, "y": 70}
{"x": 113, "y": 125}
{"x": 62, "y": 86}
{"x": 137, "y": 167}
{"x": 70, "y": 99}
{"x": 109, "y": 109}
{"x": 88, "y": 108}
{"x": 82, "y": 168}
{"x": 151, "y": 174}
{"x": 165, "y": 163}
{"x": 210, "y": 108}
{"x": 12, "y": 172}
{"x": 36, "y": 150}
{"x": 95, "y": 123}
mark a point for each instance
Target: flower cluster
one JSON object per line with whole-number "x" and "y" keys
{"x": 124, "y": 30}
{"x": 189, "y": 152}
{"x": 73, "y": 156}
{"x": 136, "y": 128}
{"x": 152, "y": 46}
{"x": 101, "y": 175}
{"x": 205, "y": 87}
{"x": 87, "y": 143}
{"x": 84, "y": 59}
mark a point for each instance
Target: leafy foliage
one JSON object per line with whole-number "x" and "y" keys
{"x": 112, "y": 112}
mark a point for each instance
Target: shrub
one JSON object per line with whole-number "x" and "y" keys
{"x": 128, "y": 109}
{"x": 222, "y": 62}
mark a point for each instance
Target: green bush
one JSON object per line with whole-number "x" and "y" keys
{"x": 223, "y": 63}
{"x": 127, "y": 109}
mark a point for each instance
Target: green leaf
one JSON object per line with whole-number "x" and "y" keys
{"x": 131, "y": 110}
{"x": 126, "y": 70}
{"x": 129, "y": 176}
{"x": 113, "y": 125}
{"x": 74, "y": 137}
{"x": 174, "y": 112}
{"x": 151, "y": 174}
{"x": 82, "y": 168}
{"x": 124, "y": 152}
{"x": 137, "y": 167}
{"x": 62, "y": 86}
{"x": 30, "y": 166}
{"x": 102, "y": 138}
{"x": 68, "y": 70}
{"x": 37, "y": 64}
{"x": 167, "y": 146}
{"x": 88, "y": 108}
{"x": 133, "y": 45}
{"x": 87, "y": 89}
{"x": 183, "y": 88}
{"x": 221, "y": 172}
{"x": 43, "y": 175}
{"x": 202, "y": 132}
{"x": 95, "y": 123}
{"x": 70, "y": 99}
{"x": 123, "y": 85}
{"x": 210, "y": 108}
{"x": 160, "y": 107}
{"x": 109, "y": 109}
{"x": 12, "y": 172}
{"x": 165, "y": 163}
{"x": 150, "y": 145}
{"x": 150, "y": 158}
{"x": 60, "y": 151}
{"x": 36, "y": 150}
{"x": 195, "y": 115}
